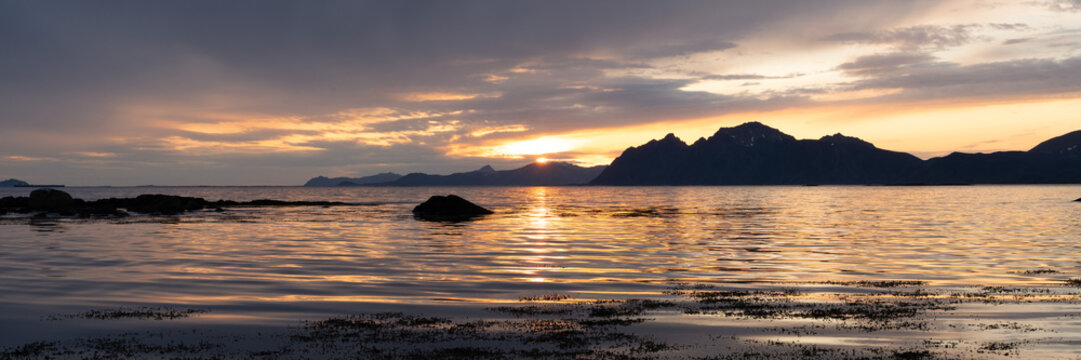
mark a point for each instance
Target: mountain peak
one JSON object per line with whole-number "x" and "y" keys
{"x": 754, "y": 125}
{"x": 668, "y": 140}
{"x": 486, "y": 169}
{"x": 838, "y": 138}
{"x": 1069, "y": 144}
{"x": 756, "y": 154}
{"x": 750, "y": 133}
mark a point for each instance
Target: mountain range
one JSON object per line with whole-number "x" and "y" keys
{"x": 348, "y": 181}
{"x": 756, "y": 154}
{"x": 535, "y": 174}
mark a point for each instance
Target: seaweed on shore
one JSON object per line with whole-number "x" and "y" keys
{"x": 878, "y": 283}
{"x": 396, "y": 335}
{"x": 141, "y": 313}
{"x": 556, "y": 326}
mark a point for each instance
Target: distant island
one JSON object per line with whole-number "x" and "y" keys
{"x": 536, "y": 174}
{"x": 756, "y": 154}
{"x": 20, "y": 183}
{"x": 13, "y": 182}
{"x": 348, "y": 181}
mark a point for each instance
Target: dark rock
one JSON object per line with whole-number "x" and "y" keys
{"x": 163, "y": 204}
{"x": 1078, "y": 199}
{"x": 50, "y": 200}
{"x": 100, "y": 209}
{"x": 448, "y": 208}
{"x": 12, "y": 203}
{"x": 48, "y": 203}
{"x": 268, "y": 202}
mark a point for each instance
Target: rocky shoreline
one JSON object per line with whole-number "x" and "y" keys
{"x": 55, "y": 203}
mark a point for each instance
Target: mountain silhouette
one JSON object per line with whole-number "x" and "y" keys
{"x": 756, "y": 154}
{"x": 1068, "y": 146}
{"x": 347, "y": 181}
{"x": 13, "y": 182}
{"x": 535, "y": 174}
{"x": 1055, "y": 161}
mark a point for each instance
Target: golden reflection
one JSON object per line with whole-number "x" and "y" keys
{"x": 753, "y": 237}
{"x": 538, "y": 242}
{"x": 986, "y": 248}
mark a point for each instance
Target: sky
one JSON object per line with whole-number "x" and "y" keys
{"x": 275, "y": 92}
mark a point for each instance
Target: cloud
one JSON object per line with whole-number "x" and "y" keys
{"x": 1016, "y": 41}
{"x": 914, "y": 37}
{"x": 1064, "y": 5}
{"x": 242, "y": 89}
{"x": 879, "y": 64}
{"x": 1019, "y": 78}
{"x": 745, "y": 76}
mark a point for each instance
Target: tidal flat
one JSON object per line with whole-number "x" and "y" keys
{"x": 856, "y": 320}
{"x": 592, "y": 273}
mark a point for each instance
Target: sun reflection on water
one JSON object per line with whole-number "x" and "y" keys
{"x": 573, "y": 238}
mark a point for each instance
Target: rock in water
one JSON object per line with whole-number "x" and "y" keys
{"x": 165, "y": 204}
{"x": 50, "y": 199}
{"x": 448, "y": 208}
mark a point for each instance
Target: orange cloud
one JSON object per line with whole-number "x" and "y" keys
{"x": 443, "y": 96}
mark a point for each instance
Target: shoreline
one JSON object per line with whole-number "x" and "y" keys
{"x": 838, "y": 320}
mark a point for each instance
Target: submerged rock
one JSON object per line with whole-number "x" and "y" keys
{"x": 50, "y": 199}
{"x": 448, "y": 208}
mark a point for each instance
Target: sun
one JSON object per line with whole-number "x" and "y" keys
{"x": 542, "y": 160}
{"x": 539, "y": 146}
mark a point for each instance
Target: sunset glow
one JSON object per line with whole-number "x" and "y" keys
{"x": 538, "y": 146}
{"x": 925, "y": 78}
{"x": 558, "y": 179}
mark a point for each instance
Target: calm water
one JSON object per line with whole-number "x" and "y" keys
{"x": 269, "y": 265}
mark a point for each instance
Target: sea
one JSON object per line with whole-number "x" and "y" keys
{"x": 1004, "y": 260}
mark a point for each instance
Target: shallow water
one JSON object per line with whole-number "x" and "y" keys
{"x": 258, "y": 266}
